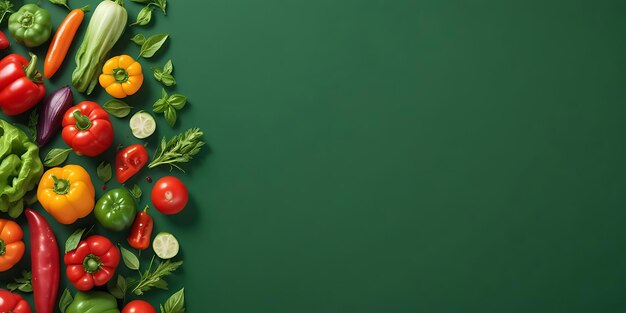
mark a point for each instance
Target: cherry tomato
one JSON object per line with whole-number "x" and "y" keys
{"x": 138, "y": 306}
{"x": 169, "y": 195}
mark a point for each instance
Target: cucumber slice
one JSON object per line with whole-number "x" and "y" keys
{"x": 142, "y": 124}
{"x": 165, "y": 245}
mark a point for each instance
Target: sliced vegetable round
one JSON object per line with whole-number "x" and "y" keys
{"x": 165, "y": 245}
{"x": 142, "y": 124}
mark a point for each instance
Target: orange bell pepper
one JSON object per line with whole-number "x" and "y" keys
{"x": 11, "y": 244}
{"x": 66, "y": 193}
{"x": 121, "y": 76}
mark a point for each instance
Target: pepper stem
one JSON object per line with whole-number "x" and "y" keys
{"x": 120, "y": 75}
{"x": 31, "y": 69}
{"x": 145, "y": 210}
{"x": 92, "y": 263}
{"x": 82, "y": 121}
{"x": 3, "y": 247}
{"x": 61, "y": 186}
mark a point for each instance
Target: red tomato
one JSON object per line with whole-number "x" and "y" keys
{"x": 138, "y": 306}
{"x": 169, "y": 195}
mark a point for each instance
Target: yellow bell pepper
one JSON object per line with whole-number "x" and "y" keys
{"x": 121, "y": 76}
{"x": 66, "y": 193}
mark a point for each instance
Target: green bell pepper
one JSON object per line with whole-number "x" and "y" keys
{"x": 30, "y": 25}
{"x": 93, "y": 302}
{"x": 20, "y": 168}
{"x": 116, "y": 209}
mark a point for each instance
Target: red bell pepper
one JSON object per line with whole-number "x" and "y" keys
{"x": 12, "y": 302}
{"x": 21, "y": 85}
{"x": 44, "y": 256}
{"x": 87, "y": 129}
{"x": 4, "y": 41}
{"x": 92, "y": 263}
{"x": 129, "y": 162}
{"x": 140, "y": 233}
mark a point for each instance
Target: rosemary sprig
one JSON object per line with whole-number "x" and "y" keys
{"x": 180, "y": 149}
{"x": 154, "y": 278}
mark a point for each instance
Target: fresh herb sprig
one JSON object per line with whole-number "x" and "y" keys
{"x": 23, "y": 284}
{"x": 161, "y": 4}
{"x": 169, "y": 105}
{"x": 153, "y": 278}
{"x": 180, "y": 149}
{"x": 165, "y": 75}
{"x": 5, "y": 7}
{"x": 175, "y": 303}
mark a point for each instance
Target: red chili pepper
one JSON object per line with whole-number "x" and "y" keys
{"x": 21, "y": 85}
{"x": 4, "y": 41}
{"x": 129, "y": 162}
{"x": 140, "y": 233}
{"x": 12, "y": 302}
{"x": 44, "y": 256}
{"x": 92, "y": 263}
{"x": 87, "y": 129}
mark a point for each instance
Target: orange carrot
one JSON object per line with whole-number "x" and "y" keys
{"x": 62, "y": 40}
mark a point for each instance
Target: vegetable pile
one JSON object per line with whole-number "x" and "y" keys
{"x": 104, "y": 273}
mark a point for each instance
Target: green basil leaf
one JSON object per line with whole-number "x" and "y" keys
{"x": 117, "y": 108}
{"x": 175, "y": 303}
{"x": 169, "y": 67}
{"x": 170, "y": 116}
{"x": 163, "y": 94}
{"x": 66, "y": 300}
{"x": 162, "y": 4}
{"x": 12, "y": 286}
{"x": 117, "y": 288}
{"x": 158, "y": 74}
{"x": 130, "y": 259}
{"x": 25, "y": 288}
{"x": 152, "y": 45}
{"x": 177, "y": 101}
{"x": 139, "y": 39}
{"x": 136, "y": 192}
{"x": 56, "y": 157}
{"x": 73, "y": 240}
{"x": 168, "y": 80}
{"x": 160, "y": 106}
{"x": 141, "y": 1}
{"x": 104, "y": 171}
{"x": 143, "y": 17}
{"x": 60, "y": 2}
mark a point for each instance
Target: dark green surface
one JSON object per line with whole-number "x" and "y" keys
{"x": 404, "y": 156}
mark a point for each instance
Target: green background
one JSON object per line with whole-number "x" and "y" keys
{"x": 394, "y": 156}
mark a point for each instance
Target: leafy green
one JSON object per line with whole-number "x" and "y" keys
{"x": 117, "y": 287}
{"x": 165, "y": 75}
{"x": 175, "y": 303}
{"x": 20, "y": 168}
{"x": 152, "y": 45}
{"x": 139, "y": 39}
{"x": 56, "y": 157}
{"x": 136, "y": 192}
{"x": 144, "y": 16}
{"x": 168, "y": 105}
{"x": 23, "y": 284}
{"x": 117, "y": 108}
{"x": 5, "y": 7}
{"x": 161, "y": 4}
{"x": 106, "y": 25}
{"x": 180, "y": 149}
{"x": 74, "y": 239}
{"x": 60, "y": 2}
{"x": 130, "y": 259}
{"x": 65, "y": 300}
{"x": 153, "y": 278}
{"x": 104, "y": 171}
